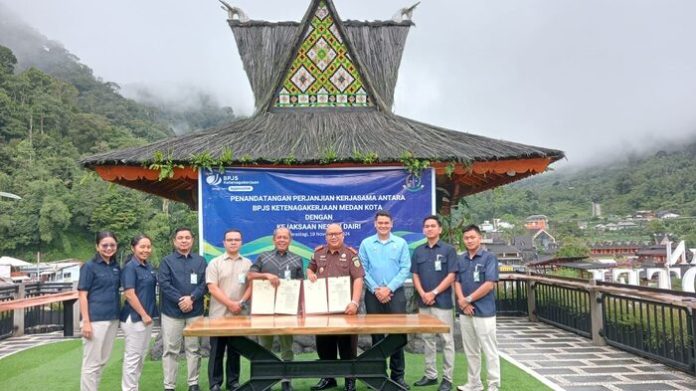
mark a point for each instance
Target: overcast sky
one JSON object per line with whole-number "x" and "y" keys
{"x": 591, "y": 77}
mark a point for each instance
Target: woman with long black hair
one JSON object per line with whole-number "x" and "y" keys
{"x": 98, "y": 289}
{"x": 138, "y": 280}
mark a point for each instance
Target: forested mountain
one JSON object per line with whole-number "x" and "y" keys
{"x": 53, "y": 111}
{"x": 659, "y": 180}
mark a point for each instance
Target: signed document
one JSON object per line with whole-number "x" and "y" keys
{"x": 287, "y": 297}
{"x": 315, "y": 297}
{"x": 262, "y": 297}
{"x": 339, "y": 293}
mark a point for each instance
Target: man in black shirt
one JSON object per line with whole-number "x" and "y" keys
{"x": 182, "y": 287}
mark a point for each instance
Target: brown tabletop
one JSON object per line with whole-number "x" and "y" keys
{"x": 316, "y": 325}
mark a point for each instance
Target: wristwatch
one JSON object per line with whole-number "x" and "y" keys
{"x": 469, "y": 299}
{"x": 436, "y": 292}
{"x": 357, "y": 305}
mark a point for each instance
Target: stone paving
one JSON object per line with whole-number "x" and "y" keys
{"x": 14, "y": 345}
{"x": 567, "y": 361}
{"x": 560, "y": 359}
{"x": 17, "y": 344}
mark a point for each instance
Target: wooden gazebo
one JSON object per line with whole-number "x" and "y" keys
{"x": 324, "y": 90}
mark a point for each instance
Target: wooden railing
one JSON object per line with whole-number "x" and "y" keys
{"x": 37, "y": 308}
{"x": 654, "y": 323}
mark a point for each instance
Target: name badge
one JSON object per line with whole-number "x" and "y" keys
{"x": 242, "y": 278}
{"x": 194, "y": 279}
{"x": 287, "y": 274}
{"x": 477, "y": 275}
{"x": 438, "y": 263}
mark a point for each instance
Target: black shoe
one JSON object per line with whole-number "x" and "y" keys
{"x": 194, "y": 388}
{"x": 324, "y": 384}
{"x": 169, "y": 389}
{"x": 400, "y": 381}
{"x": 425, "y": 381}
{"x": 233, "y": 387}
{"x": 446, "y": 385}
{"x": 286, "y": 386}
{"x": 350, "y": 385}
{"x": 215, "y": 387}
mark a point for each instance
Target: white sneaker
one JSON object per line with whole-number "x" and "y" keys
{"x": 467, "y": 387}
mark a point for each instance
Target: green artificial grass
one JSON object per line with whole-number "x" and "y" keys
{"x": 57, "y": 367}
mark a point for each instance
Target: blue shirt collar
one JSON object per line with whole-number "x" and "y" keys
{"x": 479, "y": 252}
{"x": 437, "y": 244}
{"x": 98, "y": 259}
{"x": 180, "y": 255}
{"x": 137, "y": 262}
{"x": 390, "y": 239}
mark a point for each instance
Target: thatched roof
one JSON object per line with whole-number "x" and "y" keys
{"x": 263, "y": 47}
{"x": 308, "y": 135}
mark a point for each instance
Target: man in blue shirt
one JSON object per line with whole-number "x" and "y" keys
{"x": 387, "y": 264}
{"x": 434, "y": 265}
{"x": 475, "y": 290}
{"x": 182, "y": 283}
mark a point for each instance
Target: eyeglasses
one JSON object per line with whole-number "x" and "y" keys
{"x": 334, "y": 234}
{"x": 108, "y": 245}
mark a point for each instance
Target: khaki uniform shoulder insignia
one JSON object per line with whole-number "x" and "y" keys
{"x": 319, "y": 247}
{"x": 353, "y": 250}
{"x": 356, "y": 261}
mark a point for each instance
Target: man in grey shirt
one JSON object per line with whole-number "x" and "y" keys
{"x": 272, "y": 266}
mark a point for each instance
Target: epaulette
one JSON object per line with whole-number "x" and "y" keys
{"x": 319, "y": 247}
{"x": 353, "y": 250}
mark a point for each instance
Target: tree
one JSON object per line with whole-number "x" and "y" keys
{"x": 573, "y": 247}
{"x": 7, "y": 62}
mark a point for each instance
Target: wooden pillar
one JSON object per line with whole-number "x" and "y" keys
{"x": 75, "y": 314}
{"x": 596, "y": 319}
{"x": 18, "y": 314}
{"x": 531, "y": 301}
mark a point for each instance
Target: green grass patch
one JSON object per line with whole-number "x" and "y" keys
{"x": 57, "y": 367}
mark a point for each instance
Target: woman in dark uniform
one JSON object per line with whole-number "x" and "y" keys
{"x": 99, "y": 306}
{"x": 138, "y": 280}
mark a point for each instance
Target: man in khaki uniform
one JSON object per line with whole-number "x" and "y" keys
{"x": 335, "y": 259}
{"x": 226, "y": 279}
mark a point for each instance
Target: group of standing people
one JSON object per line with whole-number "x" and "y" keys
{"x": 380, "y": 266}
{"x": 181, "y": 278}
{"x": 100, "y": 280}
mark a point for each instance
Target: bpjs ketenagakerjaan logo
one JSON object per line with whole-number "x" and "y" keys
{"x": 213, "y": 179}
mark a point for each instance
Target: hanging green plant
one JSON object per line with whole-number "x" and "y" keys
{"x": 365, "y": 157}
{"x": 449, "y": 169}
{"x": 289, "y": 160}
{"x": 226, "y": 158}
{"x": 246, "y": 160}
{"x": 203, "y": 160}
{"x": 414, "y": 165}
{"x": 163, "y": 163}
{"x": 329, "y": 156}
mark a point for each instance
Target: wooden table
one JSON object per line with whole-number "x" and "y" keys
{"x": 267, "y": 369}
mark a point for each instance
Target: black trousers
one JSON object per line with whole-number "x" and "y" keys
{"x": 397, "y": 305}
{"x": 218, "y": 346}
{"x": 327, "y": 344}
{"x": 347, "y": 346}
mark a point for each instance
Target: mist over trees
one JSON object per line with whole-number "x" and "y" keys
{"x": 53, "y": 111}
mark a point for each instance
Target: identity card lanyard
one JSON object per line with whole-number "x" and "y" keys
{"x": 477, "y": 277}
{"x": 438, "y": 262}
